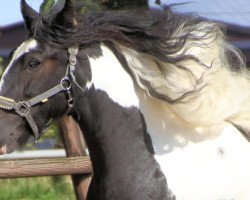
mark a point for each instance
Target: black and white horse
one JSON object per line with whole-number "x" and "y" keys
{"x": 154, "y": 92}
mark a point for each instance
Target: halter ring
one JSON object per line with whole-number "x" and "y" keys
{"x": 66, "y": 83}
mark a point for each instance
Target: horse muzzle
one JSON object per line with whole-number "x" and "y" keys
{"x": 14, "y": 132}
{"x": 3, "y": 150}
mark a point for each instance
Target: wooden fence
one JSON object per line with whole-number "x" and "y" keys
{"x": 77, "y": 163}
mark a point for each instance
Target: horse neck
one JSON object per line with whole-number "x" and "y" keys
{"x": 109, "y": 117}
{"x": 113, "y": 133}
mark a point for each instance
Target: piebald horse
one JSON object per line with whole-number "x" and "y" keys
{"x": 163, "y": 100}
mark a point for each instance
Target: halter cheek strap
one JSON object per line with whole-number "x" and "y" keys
{"x": 22, "y": 108}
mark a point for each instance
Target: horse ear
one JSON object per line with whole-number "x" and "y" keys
{"x": 29, "y": 15}
{"x": 67, "y": 16}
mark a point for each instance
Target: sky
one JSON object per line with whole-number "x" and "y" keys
{"x": 10, "y": 10}
{"x": 230, "y": 11}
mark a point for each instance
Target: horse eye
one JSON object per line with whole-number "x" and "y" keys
{"x": 33, "y": 63}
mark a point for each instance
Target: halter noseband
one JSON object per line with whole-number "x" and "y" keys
{"x": 22, "y": 108}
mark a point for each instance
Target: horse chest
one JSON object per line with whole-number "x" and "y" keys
{"x": 215, "y": 169}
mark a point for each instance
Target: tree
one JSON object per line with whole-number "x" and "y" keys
{"x": 46, "y": 5}
{"x": 158, "y": 2}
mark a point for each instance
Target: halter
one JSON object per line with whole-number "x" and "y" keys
{"x": 22, "y": 108}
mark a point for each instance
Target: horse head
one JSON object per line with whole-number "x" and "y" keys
{"x": 35, "y": 87}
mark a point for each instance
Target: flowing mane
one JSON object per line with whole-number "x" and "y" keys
{"x": 181, "y": 60}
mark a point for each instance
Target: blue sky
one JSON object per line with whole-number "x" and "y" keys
{"x": 231, "y": 11}
{"x": 10, "y": 10}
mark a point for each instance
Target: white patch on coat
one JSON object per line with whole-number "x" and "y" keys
{"x": 108, "y": 75}
{"x": 212, "y": 169}
{"x": 208, "y": 163}
{"x": 25, "y": 47}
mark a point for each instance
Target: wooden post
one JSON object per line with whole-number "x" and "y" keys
{"x": 74, "y": 146}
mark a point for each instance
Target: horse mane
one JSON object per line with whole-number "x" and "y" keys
{"x": 180, "y": 59}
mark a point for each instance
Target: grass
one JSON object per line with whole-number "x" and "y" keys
{"x": 41, "y": 188}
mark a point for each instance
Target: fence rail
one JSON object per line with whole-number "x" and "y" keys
{"x": 34, "y": 154}
{"x": 45, "y": 167}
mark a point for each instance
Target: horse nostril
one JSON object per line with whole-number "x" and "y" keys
{"x": 3, "y": 150}
{"x": 12, "y": 134}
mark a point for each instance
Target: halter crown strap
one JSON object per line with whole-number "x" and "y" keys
{"x": 22, "y": 108}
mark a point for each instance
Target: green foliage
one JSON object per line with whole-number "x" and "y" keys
{"x": 52, "y": 132}
{"x": 42, "y": 188}
{"x": 46, "y": 5}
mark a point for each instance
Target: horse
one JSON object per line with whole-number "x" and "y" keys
{"x": 162, "y": 99}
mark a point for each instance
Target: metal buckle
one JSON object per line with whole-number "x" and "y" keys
{"x": 72, "y": 60}
{"x": 70, "y": 100}
{"x": 22, "y": 109}
{"x": 73, "y": 50}
{"x": 66, "y": 83}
